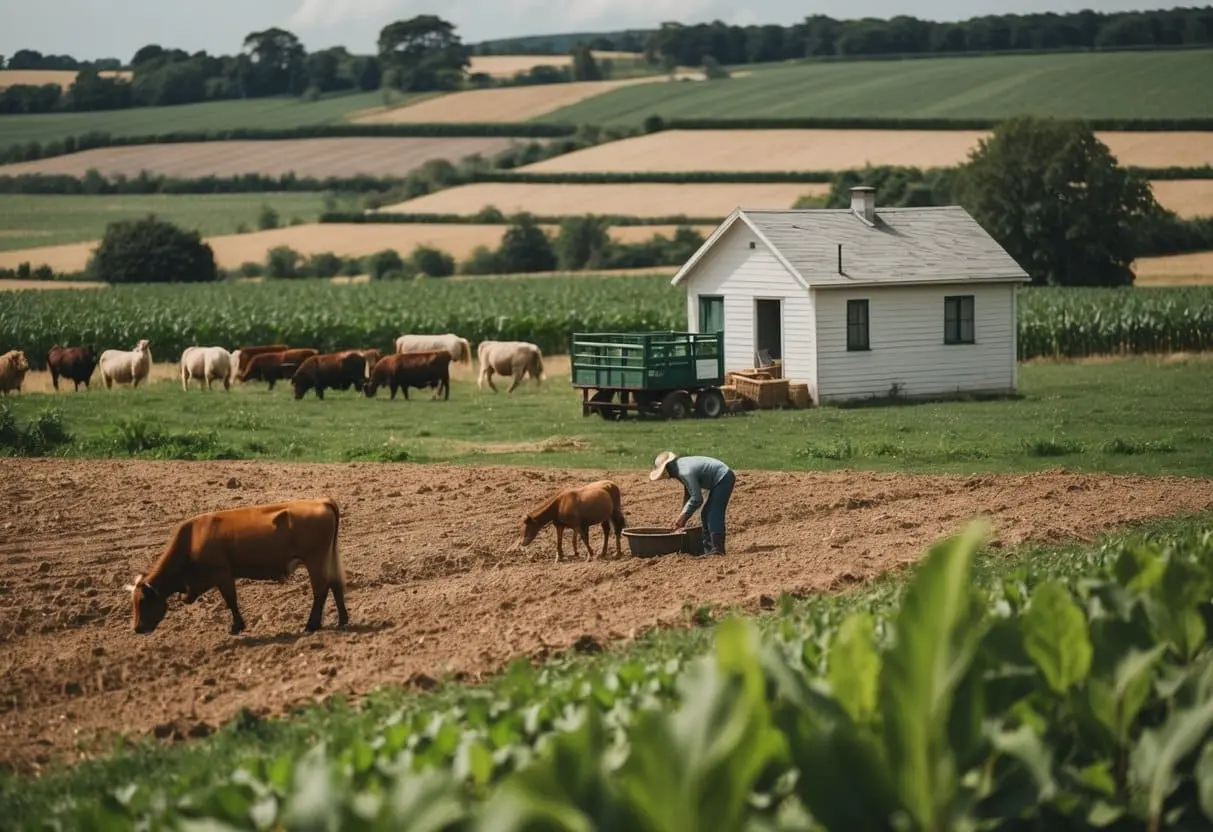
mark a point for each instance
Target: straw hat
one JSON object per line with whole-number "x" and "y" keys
{"x": 663, "y": 459}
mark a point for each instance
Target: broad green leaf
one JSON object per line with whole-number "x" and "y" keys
{"x": 1117, "y": 702}
{"x": 1138, "y": 568}
{"x": 1023, "y": 778}
{"x": 425, "y": 802}
{"x": 1173, "y": 607}
{"x": 1154, "y": 757}
{"x": 473, "y": 762}
{"x": 854, "y": 673}
{"x": 1026, "y": 746}
{"x": 938, "y": 629}
{"x": 1204, "y": 780}
{"x": 1055, "y": 637}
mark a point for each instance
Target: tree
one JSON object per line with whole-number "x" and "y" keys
{"x": 385, "y": 264}
{"x": 432, "y": 262}
{"x": 283, "y": 262}
{"x": 152, "y": 251}
{"x": 424, "y": 50}
{"x": 1053, "y": 196}
{"x": 581, "y": 242}
{"x": 276, "y": 63}
{"x": 712, "y": 70}
{"x": 525, "y": 247}
{"x": 585, "y": 68}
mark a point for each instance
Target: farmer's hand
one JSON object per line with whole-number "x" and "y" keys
{"x": 680, "y": 522}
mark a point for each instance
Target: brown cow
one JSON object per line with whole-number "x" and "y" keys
{"x": 336, "y": 371}
{"x": 76, "y": 364}
{"x": 13, "y": 367}
{"x": 577, "y": 508}
{"x": 243, "y": 355}
{"x": 260, "y": 543}
{"x": 411, "y": 369}
{"x": 275, "y": 366}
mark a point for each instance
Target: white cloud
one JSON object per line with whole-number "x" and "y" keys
{"x": 314, "y": 13}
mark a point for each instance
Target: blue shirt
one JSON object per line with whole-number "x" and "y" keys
{"x": 697, "y": 473}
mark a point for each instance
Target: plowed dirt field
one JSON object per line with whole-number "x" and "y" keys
{"x": 431, "y": 585}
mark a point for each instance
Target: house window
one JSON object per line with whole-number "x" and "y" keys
{"x": 958, "y": 319}
{"x": 857, "y": 325}
{"x": 711, "y": 314}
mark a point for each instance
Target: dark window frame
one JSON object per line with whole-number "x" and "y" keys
{"x": 703, "y": 301}
{"x": 959, "y": 310}
{"x": 859, "y": 335}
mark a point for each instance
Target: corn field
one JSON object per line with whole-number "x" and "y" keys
{"x": 1058, "y": 322}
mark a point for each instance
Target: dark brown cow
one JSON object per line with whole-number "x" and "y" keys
{"x": 412, "y": 369}
{"x": 76, "y": 364}
{"x": 243, "y": 355}
{"x": 334, "y": 371}
{"x": 275, "y": 366}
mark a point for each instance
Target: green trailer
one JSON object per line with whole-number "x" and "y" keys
{"x": 668, "y": 374}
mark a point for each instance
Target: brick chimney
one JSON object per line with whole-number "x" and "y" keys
{"x": 863, "y": 203}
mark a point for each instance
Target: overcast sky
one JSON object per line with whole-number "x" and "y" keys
{"x": 89, "y": 29}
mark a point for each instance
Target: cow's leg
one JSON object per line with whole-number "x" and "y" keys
{"x": 227, "y": 588}
{"x": 489, "y": 379}
{"x": 273, "y": 379}
{"x": 560, "y": 542}
{"x": 517, "y": 378}
{"x": 606, "y": 536}
{"x": 320, "y": 392}
{"x": 320, "y": 591}
{"x": 55, "y": 380}
{"x": 343, "y": 616}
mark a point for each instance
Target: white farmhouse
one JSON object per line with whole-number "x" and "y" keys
{"x": 858, "y": 302}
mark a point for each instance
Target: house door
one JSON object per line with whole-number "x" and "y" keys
{"x": 768, "y": 327}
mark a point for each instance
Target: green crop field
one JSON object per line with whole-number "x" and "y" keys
{"x": 28, "y": 221}
{"x": 1111, "y": 85}
{"x": 266, "y": 113}
{"x": 1043, "y": 686}
{"x": 1097, "y": 417}
{"x": 545, "y": 310}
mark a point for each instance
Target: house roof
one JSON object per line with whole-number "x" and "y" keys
{"x": 905, "y": 245}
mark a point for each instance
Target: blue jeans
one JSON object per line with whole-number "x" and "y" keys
{"x": 714, "y": 507}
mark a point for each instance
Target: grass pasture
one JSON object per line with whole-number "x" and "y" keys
{"x": 1100, "y": 85}
{"x": 823, "y": 150}
{"x": 319, "y": 158}
{"x": 29, "y": 221}
{"x": 1100, "y": 416}
{"x": 642, "y": 199}
{"x": 265, "y": 113}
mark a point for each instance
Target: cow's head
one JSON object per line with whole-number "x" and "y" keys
{"x": 369, "y": 387}
{"x": 530, "y": 528}
{"x": 142, "y": 345}
{"x": 19, "y": 361}
{"x": 149, "y": 605}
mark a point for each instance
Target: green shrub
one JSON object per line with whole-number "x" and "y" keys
{"x": 152, "y": 251}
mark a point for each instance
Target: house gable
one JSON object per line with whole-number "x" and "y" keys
{"x": 733, "y": 231}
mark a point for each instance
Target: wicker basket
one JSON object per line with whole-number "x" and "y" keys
{"x": 798, "y": 392}
{"x": 765, "y": 393}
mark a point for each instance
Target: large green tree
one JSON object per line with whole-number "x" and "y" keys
{"x": 276, "y": 63}
{"x": 525, "y": 247}
{"x": 1054, "y": 197}
{"x": 425, "y": 53}
{"x": 150, "y": 250}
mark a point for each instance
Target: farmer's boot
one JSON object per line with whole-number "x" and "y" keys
{"x": 717, "y": 545}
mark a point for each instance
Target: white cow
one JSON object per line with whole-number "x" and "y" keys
{"x": 206, "y": 364}
{"x": 126, "y": 366}
{"x": 508, "y": 358}
{"x": 459, "y": 348}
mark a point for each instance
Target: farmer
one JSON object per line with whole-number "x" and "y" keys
{"x": 697, "y": 473}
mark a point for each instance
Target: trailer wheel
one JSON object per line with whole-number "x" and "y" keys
{"x": 677, "y": 404}
{"x": 709, "y": 403}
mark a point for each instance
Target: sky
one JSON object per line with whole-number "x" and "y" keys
{"x": 91, "y": 29}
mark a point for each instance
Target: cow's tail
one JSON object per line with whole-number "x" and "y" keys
{"x": 537, "y": 365}
{"x": 466, "y": 358}
{"x": 334, "y": 571}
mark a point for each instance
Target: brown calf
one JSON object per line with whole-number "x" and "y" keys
{"x": 275, "y": 366}
{"x": 336, "y": 371}
{"x": 243, "y": 355}
{"x": 577, "y": 508}
{"x": 260, "y": 543}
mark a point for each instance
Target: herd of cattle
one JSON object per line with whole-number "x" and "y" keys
{"x": 419, "y": 361}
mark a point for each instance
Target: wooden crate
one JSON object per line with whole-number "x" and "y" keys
{"x": 765, "y": 393}
{"x": 798, "y": 392}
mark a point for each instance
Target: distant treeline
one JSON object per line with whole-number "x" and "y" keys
{"x": 819, "y": 36}
{"x": 94, "y": 183}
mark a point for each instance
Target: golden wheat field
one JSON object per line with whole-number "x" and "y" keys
{"x": 62, "y": 77}
{"x": 303, "y": 157}
{"x": 1186, "y": 197}
{"x": 505, "y": 66}
{"x": 231, "y": 250}
{"x": 641, "y": 200}
{"x": 504, "y": 104}
{"x": 1175, "y": 270}
{"x": 780, "y": 150}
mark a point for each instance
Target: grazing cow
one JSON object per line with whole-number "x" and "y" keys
{"x": 508, "y": 358}
{"x": 459, "y": 348}
{"x": 260, "y": 543}
{"x": 417, "y": 369}
{"x": 76, "y": 364}
{"x": 577, "y": 508}
{"x": 371, "y": 356}
{"x": 13, "y": 367}
{"x": 243, "y": 355}
{"x": 206, "y": 364}
{"x": 335, "y": 371}
{"x": 126, "y": 366}
{"x": 275, "y": 366}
